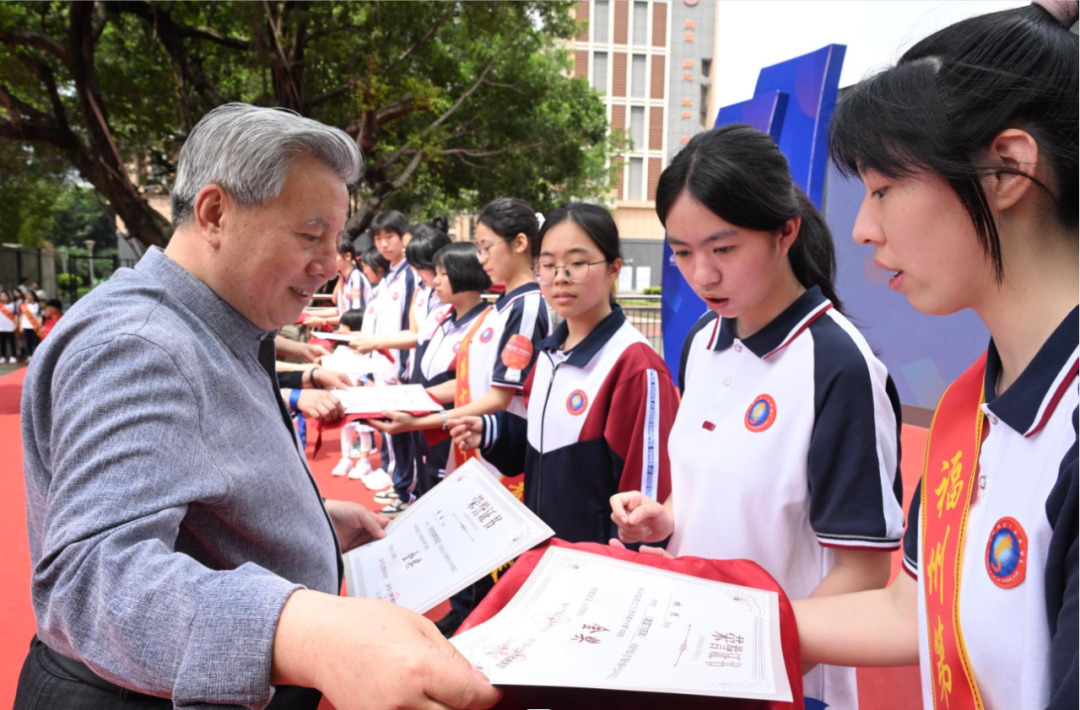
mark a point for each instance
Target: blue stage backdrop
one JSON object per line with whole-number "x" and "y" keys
{"x": 793, "y": 102}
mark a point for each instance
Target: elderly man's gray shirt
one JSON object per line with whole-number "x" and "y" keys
{"x": 171, "y": 512}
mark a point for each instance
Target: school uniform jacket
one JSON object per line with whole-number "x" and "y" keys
{"x": 598, "y": 423}
{"x": 1021, "y": 638}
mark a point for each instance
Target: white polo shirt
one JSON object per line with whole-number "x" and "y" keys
{"x": 35, "y": 309}
{"x": 438, "y": 342}
{"x": 520, "y": 316}
{"x": 1021, "y": 640}
{"x": 392, "y": 306}
{"x": 354, "y": 293}
{"x": 7, "y": 325}
{"x": 786, "y": 444}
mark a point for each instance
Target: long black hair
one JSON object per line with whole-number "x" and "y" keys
{"x": 952, "y": 93}
{"x": 509, "y": 217}
{"x": 739, "y": 174}
{"x": 595, "y": 221}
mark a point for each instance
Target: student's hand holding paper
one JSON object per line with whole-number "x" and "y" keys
{"x": 467, "y": 432}
{"x": 640, "y": 518}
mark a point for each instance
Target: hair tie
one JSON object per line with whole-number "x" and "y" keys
{"x": 1064, "y": 11}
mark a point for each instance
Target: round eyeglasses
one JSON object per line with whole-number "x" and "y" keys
{"x": 576, "y": 271}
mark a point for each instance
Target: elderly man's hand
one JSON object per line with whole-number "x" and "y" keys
{"x": 354, "y": 524}
{"x": 321, "y": 405}
{"x": 364, "y": 653}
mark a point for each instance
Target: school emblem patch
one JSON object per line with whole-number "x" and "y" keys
{"x": 1006, "y": 553}
{"x": 761, "y": 414}
{"x": 485, "y": 336}
{"x": 394, "y": 295}
{"x": 577, "y": 402}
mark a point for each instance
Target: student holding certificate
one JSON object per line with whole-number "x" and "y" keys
{"x": 968, "y": 151}
{"x": 785, "y": 448}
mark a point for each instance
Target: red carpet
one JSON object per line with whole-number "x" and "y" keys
{"x": 879, "y": 689}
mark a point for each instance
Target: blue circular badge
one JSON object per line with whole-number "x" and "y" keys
{"x": 761, "y": 414}
{"x": 1006, "y": 553}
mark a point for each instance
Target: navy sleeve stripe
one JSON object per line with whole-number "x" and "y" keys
{"x": 911, "y": 534}
{"x": 854, "y": 460}
{"x": 706, "y": 319}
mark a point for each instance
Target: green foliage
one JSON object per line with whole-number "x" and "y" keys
{"x": 68, "y": 282}
{"x": 453, "y": 104}
{"x": 652, "y": 291}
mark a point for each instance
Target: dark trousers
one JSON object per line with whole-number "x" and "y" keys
{"x": 7, "y": 345}
{"x": 44, "y": 685}
{"x": 31, "y": 339}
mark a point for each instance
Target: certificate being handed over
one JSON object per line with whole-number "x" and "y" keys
{"x": 589, "y": 621}
{"x": 464, "y": 528}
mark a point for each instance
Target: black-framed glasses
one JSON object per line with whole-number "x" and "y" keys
{"x": 576, "y": 271}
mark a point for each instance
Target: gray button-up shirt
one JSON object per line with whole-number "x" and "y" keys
{"x": 171, "y": 512}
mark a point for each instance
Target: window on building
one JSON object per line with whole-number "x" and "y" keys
{"x": 641, "y": 23}
{"x": 599, "y": 71}
{"x": 637, "y": 126}
{"x": 637, "y": 179}
{"x": 637, "y": 76}
{"x": 703, "y": 117}
{"x": 706, "y": 68}
{"x": 601, "y": 9}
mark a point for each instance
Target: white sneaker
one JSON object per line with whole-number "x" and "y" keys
{"x": 362, "y": 469}
{"x": 377, "y": 480}
{"x": 345, "y": 466}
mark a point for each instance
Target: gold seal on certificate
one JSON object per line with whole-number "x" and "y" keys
{"x": 461, "y": 530}
{"x": 588, "y": 621}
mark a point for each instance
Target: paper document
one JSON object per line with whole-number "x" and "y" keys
{"x": 462, "y": 529}
{"x": 588, "y": 621}
{"x": 339, "y": 337}
{"x": 355, "y": 364}
{"x": 373, "y": 401}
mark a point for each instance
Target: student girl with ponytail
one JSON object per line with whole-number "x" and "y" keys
{"x": 968, "y": 152}
{"x": 785, "y": 450}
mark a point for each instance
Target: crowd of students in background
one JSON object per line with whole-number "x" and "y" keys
{"x": 27, "y": 315}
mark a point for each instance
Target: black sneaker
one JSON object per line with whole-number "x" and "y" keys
{"x": 449, "y": 623}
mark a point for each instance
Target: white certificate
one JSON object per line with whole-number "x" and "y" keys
{"x": 588, "y": 621}
{"x": 373, "y": 401}
{"x": 464, "y": 528}
{"x": 339, "y": 337}
{"x": 345, "y": 360}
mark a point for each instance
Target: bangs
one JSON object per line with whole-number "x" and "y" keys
{"x": 892, "y": 123}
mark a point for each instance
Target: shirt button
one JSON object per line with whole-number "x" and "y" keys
{"x": 727, "y": 381}
{"x": 993, "y": 419}
{"x": 982, "y": 481}
{"x": 738, "y": 348}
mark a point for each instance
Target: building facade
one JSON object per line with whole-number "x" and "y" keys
{"x": 651, "y": 62}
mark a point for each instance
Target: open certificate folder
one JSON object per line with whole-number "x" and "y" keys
{"x": 589, "y": 621}
{"x": 371, "y": 402}
{"x": 464, "y": 528}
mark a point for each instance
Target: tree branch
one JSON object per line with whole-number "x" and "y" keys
{"x": 511, "y": 87}
{"x": 407, "y": 172}
{"x": 331, "y": 94}
{"x": 19, "y": 109}
{"x": 212, "y": 35}
{"x": 427, "y": 35}
{"x": 489, "y": 153}
{"x": 30, "y": 38}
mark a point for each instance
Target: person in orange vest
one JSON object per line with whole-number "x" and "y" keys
{"x": 31, "y": 322}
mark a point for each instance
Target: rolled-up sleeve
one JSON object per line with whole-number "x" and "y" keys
{"x": 125, "y": 464}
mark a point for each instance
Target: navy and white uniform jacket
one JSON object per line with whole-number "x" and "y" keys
{"x": 1021, "y": 640}
{"x": 437, "y": 345}
{"x": 598, "y": 423}
{"x": 786, "y": 446}
{"x": 355, "y": 292}
{"x": 391, "y": 307}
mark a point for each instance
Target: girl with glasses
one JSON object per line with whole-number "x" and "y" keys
{"x": 601, "y": 401}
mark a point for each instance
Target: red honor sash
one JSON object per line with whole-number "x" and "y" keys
{"x": 463, "y": 393}
{"x": 949, "y": 474}
{"x": 34, "y": 322}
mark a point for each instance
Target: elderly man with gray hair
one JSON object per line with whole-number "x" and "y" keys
{"x": 182, "y": 553}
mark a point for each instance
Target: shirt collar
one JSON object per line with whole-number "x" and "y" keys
{"x": 395, "y": 271}
{"x": 452, "y": 321}
{"x": 781, "y": 331}
{"x": 505, "y": 299}
{"x": 236, "y": 331}
{"x": 1028, "y": 403}
{"x": 586, "y": 350}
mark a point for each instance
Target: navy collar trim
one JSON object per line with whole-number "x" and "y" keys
{"x": 778, "y": 334}
{"x": 451, "y": 321}
{"x": 504, "y": 301}
{"x": 233, "y": 328}
{"x": 594, "y": 342}
{"x": 1027, "y": 405}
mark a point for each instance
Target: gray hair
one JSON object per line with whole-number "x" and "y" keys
{"x": 247, "y": 150}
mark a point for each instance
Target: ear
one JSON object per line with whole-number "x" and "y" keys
{"x": 614, "y": 268}
{"x": 521, "y": 243}
{"x": 1017, "y": 150}
{"x": 788, "y": 234}
{"x": 211, "y": 205}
